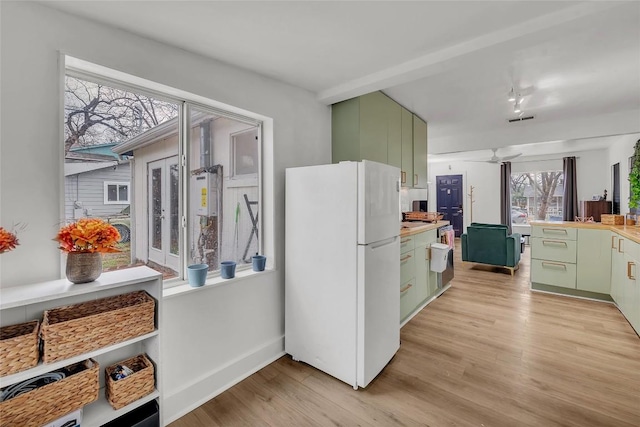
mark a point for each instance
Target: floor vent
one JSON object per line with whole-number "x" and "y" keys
{"x": 521, "y": 119}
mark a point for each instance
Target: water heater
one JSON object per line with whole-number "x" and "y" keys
{"x": 204, "y": 194}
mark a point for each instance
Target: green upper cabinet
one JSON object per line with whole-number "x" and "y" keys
{"x": 419, "y": 152}
{"x": 394, "y": 133}
{"x": 407, "y": 148}
{"x": 375, "y": 127}
{"x": 359, "y": 128}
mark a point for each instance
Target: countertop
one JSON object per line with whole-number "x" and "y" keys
{"x": 410, "y": 228}
{"x": 631, "y": 232}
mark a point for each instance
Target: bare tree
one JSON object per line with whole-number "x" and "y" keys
{"x": 545, "y": 184}
{"x": 97, "y": 114}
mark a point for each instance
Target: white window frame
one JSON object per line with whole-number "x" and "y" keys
{"x": 96, "y": 73}
{"x": 119, "y": 184}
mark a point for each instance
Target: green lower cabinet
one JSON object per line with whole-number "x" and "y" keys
{"x": 433, "y": 280}
{"x": 422, "y": 274}
{"x": 407, "y": 298}
{"x": 407, "y": 266}
{"x": 554, "y": 273}
{"x": 618, "y": 270}
{"x": 594, "y": 261}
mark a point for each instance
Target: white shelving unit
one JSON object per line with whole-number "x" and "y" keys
{"x": 23, "y": 303}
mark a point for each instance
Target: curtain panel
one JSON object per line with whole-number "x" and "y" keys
{"x": 570, "y": 193}
{"x": 505, "y": 194}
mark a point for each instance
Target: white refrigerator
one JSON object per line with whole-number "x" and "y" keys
{"x": 342, "y": 268}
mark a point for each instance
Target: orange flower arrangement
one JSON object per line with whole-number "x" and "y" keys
{"x": 8, "y": 240}
{"x": 88, "y": 235}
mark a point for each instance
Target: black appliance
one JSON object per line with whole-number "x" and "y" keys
{"x": 420, "y": 206}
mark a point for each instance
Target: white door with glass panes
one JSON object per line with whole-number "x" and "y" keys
{"x": 164, "y": 219}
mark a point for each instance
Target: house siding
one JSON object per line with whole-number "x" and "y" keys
{"x": 86, "y": 192}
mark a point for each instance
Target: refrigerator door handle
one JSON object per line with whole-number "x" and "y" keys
{"x": 381, "y": 243}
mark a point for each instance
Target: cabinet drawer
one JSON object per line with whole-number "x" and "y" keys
{"x": 407, "y": 244}
{"x": 407, "y": 298}
{"x": 553, "y": 249}
{"x": 407, "y": 266}
{"x": 561, "y": 233}
{"x": 553, "y": 273}
{"x": 629, "y": 247}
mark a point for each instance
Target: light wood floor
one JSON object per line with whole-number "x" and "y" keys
{"x": 488, "y": 352}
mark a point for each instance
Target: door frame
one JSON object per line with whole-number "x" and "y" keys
{"x": 163, "y": 256}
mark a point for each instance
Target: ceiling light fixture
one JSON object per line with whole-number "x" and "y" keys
{"x": 512, "y": 96}
{"x": 516, "y": 108}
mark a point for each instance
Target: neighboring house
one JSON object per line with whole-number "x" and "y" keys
{"x": 97, "y": 184}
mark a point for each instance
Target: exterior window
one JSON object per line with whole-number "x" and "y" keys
{"x": 116, "y": 193}
{"x": 536, "y": 196}
{"x": 244, "y": 156}
{"x": 129, "y": 145}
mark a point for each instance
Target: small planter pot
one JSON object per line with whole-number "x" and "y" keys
{"x": 228, "y": 269}
{"x": 258, "y": 262}
{"x": 83, "y": 267}
{"x": 197, "y": 274}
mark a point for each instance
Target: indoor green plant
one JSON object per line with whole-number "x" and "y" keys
{"x": 634, "y": 179}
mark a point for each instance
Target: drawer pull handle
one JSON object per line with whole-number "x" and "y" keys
{"x": 613, "y": 245}
{"x": 403, "y": 259}
{"x": 629, "y": 275}
{"x": 620, "y": 245}
{"x": 554, "y": 242}
{"x": 554, "y": 264}
{"x": 402, "y": 242}
{"x": 406, "y": 288}
{"x": 555, "y": 230}
{"x": 403, "y": 177}
{"x": 415, "y": 179}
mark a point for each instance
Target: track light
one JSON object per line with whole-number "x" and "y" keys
{"x": 512, "y": 96}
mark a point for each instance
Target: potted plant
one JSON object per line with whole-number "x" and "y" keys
{"x": 85, "y": 241}
{"x": 634, "y": 179}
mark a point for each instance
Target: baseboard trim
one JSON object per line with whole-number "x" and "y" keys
{"x": 177, "y": 403}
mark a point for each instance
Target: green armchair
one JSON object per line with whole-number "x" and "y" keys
{"x": 491, "y": 244}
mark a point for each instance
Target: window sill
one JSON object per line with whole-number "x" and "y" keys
{"x": 182, "y": 287}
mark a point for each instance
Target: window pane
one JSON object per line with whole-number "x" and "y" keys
{"x": 246, "y": 153}
{"x": 156, "y": 209}
{"x": 536, "y": 196}
{"x": 174, "y": 190}
{"x": 112, "y": 193}
{"x": 123, "y": 193}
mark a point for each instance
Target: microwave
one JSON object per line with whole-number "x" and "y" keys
{"x": 420, "y": 206}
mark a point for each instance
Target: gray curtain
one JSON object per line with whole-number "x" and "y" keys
{"x": 570, "y": 194}
{"x": 505, "y": 194}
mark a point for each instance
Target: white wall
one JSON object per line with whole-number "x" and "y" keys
{"x": 593, "y": 175}
{"x": 214, "y": 336}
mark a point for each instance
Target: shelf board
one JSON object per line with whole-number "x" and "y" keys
{"x": 43, "y": 368}
{"x": 18, "y": 296}
{"x": 100, "y": 412}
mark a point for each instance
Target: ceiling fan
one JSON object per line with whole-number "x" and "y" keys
{"x": 496, "y": 159}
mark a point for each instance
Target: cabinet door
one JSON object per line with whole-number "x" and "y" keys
{"x": 345, "y": 130}
{"x": 594, "y": 261}
{"x": 394, "y": 133}
{"x": 422, "y": 274}
{"x": 419, "y": 152}
{"x": 618, "y": 269}
{"x": 373, "y": 127}
{"x": 407, "y": 298}
{"x": 407, "y": 148}
{"x": 627, "y": 293}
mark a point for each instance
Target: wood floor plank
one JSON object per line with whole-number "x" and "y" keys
{"x": 488, "y": 352}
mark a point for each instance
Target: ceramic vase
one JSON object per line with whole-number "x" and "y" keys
{"x": 83, "y": 267}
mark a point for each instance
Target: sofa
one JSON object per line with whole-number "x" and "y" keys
{"x": 491, "y": 244}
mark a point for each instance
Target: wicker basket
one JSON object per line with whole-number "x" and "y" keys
{"x": 76, "y": 329}
{"x": 51, "y": 401}
{"x": 423, "y": 216}
{"x": 18, "y": 347}
{"x": 609, "y": 219}
{"x": 131, "y": 388}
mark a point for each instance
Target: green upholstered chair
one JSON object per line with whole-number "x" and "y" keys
{"x": 491, "y": 244}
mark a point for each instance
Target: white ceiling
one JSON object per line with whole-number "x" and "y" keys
{"x": 451, "y": 62}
